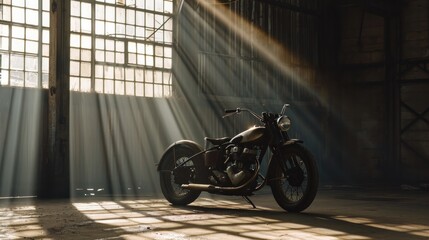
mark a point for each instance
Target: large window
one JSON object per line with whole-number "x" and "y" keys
{"x": 24, "y": 39}
{"x": 116, "y": 46}
{"x": 121, "y": 47}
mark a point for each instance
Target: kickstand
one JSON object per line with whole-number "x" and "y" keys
{"x": 249, "y": 201}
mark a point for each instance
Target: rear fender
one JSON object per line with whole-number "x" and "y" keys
{"x": 182, "y": 143}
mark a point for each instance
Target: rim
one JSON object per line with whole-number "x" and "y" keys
{"x": 177, "y": 189}
{"x": 294, "y": 178}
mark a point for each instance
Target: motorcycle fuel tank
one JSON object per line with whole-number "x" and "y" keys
{"x": 253, "y": 134}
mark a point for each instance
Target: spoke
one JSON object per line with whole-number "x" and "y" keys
{"x": 294, "y": 162}
{"x": 294, "y": 171}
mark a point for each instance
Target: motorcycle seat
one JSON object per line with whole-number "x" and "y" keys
{"x": 217, "y": 141}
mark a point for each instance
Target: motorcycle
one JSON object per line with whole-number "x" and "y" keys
{"x": 232, "y": 166}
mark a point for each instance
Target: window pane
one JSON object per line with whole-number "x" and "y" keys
{"x": 119, "y": 87}
{"x": 74, "y": 40}
{"x": 150, "y": 4}
{"x": 4, "y": 60}
{"x": 110, "y": 13}
{"x": 45, "y": 65}
{"x": 158, "y": 90}
{"x": 129, "y": 74}
{"x": 17, "y": 78}
{"x": 119, "y": 73}
{"x": 148, "y": 90}
{"x": 139, "y": 89}
{"x": 86, "y": 10}
{"x": 45, "y": 80}
{"x": 139, "y": 77}
{"x": 4, "y": 77}
{"x": 168, "y": 7}
{"x": 99, "y": 43}
{"x": 108, "y": 86}
{"x": 99, "y": 12}
{"x": 108, "y": 72}
{"x": 99, "y": 71}
{"x": 45, "y": 19}
{"x": 32, "y": 17}
{"x": 31, "y": 63}
{"x": 31, "y": 4}
{"x": 32, "y": 34}
{"x": 18, "y": 45}
{"x": 99, "y": 85}
{"x": 85, "y": 69}
{"x": 74, "y": 68}
{"x": 158, "y": 76}
{"x": 86, "y": 25}
{"x": 131, "y": 18}
{"x": 99, "y": 56}
{"x": 45, "y": 50}
{"x": 120, "y": 15}
{"x": 4, "y": 43}
{"x": 45, "y": 36}
{"x": 5, "y": 13}
{"x": 17, "y": 62}
{"x": 129, "y": 88}
{"x": 110, "y": 57}
{"x": 86, "y": 42}
{"x": 74, "y": 83}
{"x": 18, "y": 32}
{"x": 85, "y": 84}
{"x": 17, "y": 15}
{"x": 99, "y": 28}
{"x": 31, "y": 79}
{"x": 4, "y": 30}
{"x": 85, "y": 55}
{"x": 75, "y": 8}
{"x": 31, "y": 47}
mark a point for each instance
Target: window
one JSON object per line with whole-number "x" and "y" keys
{"x": 121, "y": 47}
{"x": 24, "y": 43}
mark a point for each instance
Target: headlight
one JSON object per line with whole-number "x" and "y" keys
{"x": 283, "y": 123}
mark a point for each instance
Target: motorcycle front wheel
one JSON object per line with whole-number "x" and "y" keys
{"x": 296, "y": 179}
{"x": 172, "y": 191}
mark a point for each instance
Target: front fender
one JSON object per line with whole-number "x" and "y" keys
{"x": 185, "y": 143}
{"x": 273, "y": 161}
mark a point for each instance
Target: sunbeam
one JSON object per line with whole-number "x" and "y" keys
{"x": 21, "y": 133}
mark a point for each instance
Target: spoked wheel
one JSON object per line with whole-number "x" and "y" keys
{"x": 171, "y": 181}
{"x": 296, "y": 178}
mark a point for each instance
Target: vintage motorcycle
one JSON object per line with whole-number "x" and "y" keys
{"x": 232, "y": 166}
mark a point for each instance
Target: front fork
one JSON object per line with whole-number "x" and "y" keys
{"x": 278, "y": 161}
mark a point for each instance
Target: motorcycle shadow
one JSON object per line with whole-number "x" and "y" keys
{"x": 236, "y": 215}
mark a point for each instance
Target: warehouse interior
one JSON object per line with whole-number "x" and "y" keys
{"x": 93, "y": 92}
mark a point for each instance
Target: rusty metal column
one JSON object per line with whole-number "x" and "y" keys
{"x": 57, "y": 167}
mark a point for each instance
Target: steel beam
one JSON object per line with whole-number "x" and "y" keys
{"x": 392, "y": 48}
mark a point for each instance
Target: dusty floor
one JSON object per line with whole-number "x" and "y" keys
{"x": 335, "y": 214}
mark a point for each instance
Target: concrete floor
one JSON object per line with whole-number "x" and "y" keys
{"x": 340, "y": 213}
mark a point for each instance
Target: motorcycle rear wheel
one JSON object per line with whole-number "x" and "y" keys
{"x": 172, "y": 191}
{"x": 296, "y": 178}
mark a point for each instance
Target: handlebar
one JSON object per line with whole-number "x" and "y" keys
{"x": 230, "y": 112}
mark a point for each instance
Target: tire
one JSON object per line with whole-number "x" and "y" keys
{"x": 296, "y": 178}
{"x": 172, "y": 191}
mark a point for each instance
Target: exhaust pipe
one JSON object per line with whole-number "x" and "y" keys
{"x": 213, "y": 188}
{"x": 200, "y": 187}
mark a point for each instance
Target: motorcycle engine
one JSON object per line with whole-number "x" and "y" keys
{"x": 232, "y": 165}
